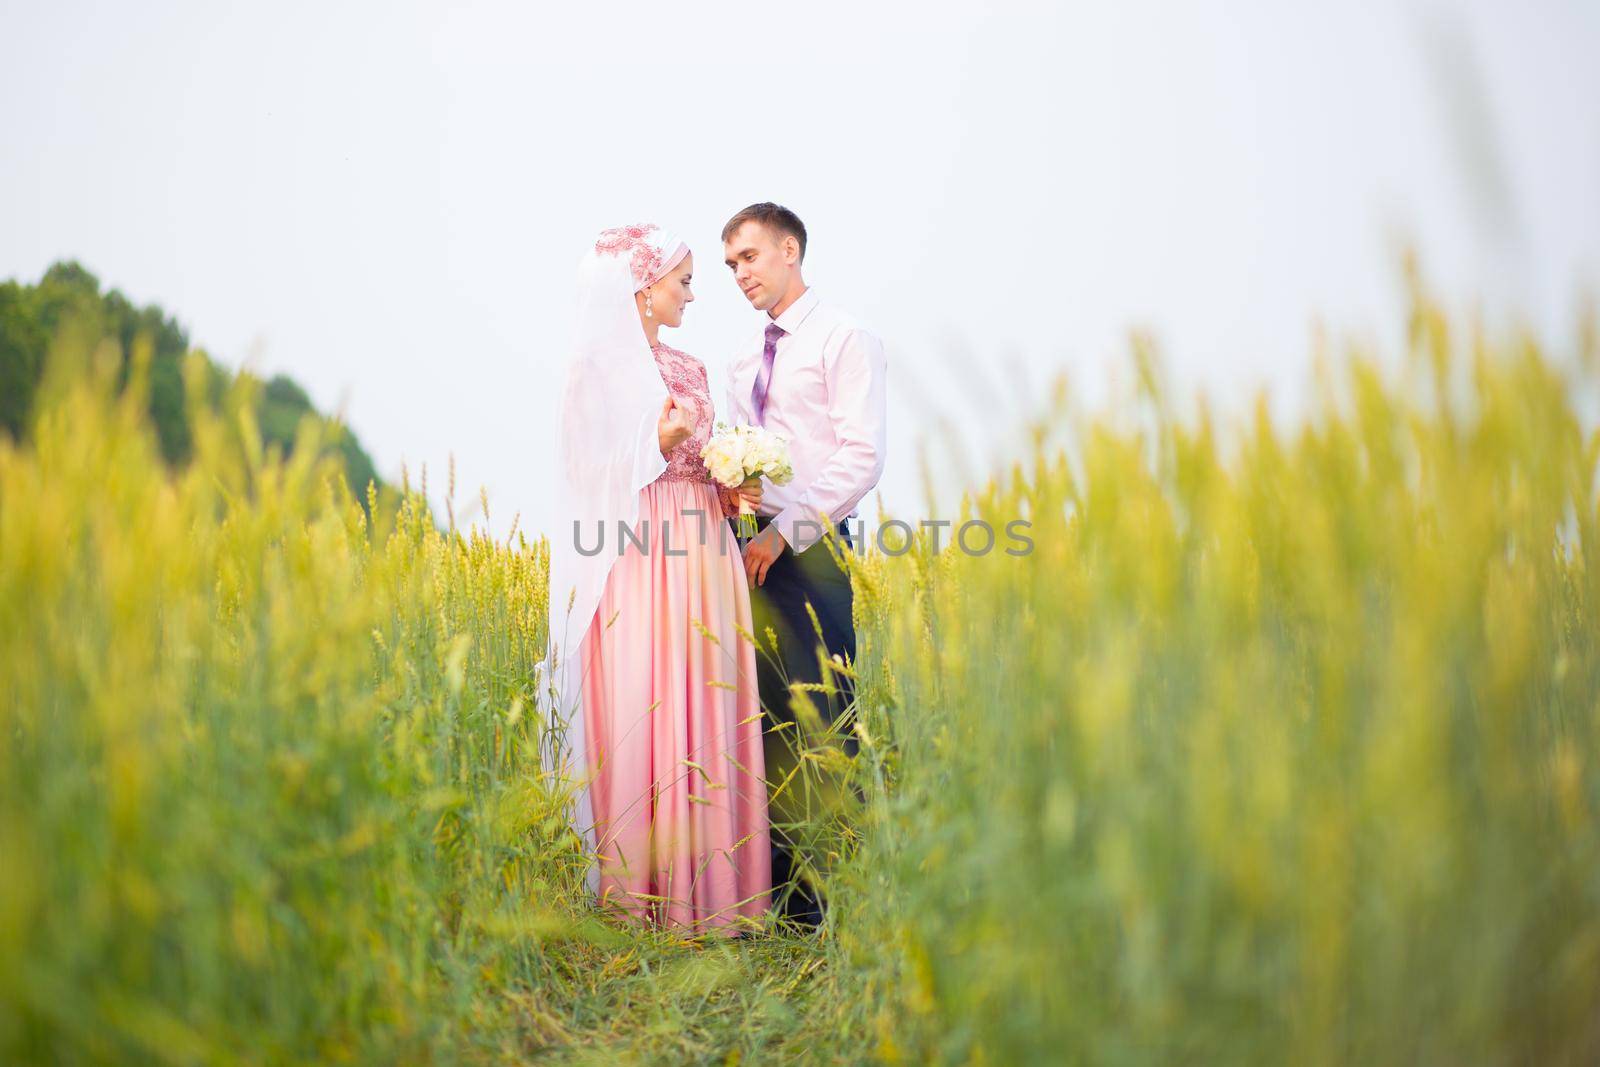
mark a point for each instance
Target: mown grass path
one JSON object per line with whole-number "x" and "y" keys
{"x": 656, "y": 999}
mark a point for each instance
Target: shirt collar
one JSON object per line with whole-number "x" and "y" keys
{"x": 796, "y": 313}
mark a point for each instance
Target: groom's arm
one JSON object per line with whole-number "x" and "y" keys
{"x": 857, "y": 410}
{"x": 735, "y": 414}
{"x": 732, "y": 412}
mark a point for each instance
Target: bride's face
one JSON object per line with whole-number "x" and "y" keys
{"x": 671, "y": 294}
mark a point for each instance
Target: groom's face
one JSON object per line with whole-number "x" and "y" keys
{"x": 762, "y": 262}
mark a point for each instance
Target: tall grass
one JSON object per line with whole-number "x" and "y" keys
{"x": 268, "y": 786}
{"x": 1280, "y": 746}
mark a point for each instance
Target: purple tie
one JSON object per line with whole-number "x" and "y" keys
{"x": 758, "y": 395}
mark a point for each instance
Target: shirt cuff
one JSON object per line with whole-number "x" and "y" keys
{"x": 799, "y": 527}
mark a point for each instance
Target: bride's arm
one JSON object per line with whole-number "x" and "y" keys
{"x": 729, "y": 498}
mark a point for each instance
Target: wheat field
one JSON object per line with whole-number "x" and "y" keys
{"x": 1282, "y": 745}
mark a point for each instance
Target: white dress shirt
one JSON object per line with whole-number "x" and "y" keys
{"x": 827, "y": 396}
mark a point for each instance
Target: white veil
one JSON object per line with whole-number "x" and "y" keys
{"x": 610, "y": 403}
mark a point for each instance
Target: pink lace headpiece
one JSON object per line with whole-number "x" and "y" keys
{"x": 651, "y": 251}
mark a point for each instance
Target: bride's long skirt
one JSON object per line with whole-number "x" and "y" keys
{"x": 673, "y": 725}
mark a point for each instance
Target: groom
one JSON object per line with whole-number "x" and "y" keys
{"x": 815, "y": 377}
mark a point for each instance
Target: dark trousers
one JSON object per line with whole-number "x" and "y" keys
{"x": 793, "y": 581}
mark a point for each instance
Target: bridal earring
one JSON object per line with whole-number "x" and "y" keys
{"x": 649, "y": 309}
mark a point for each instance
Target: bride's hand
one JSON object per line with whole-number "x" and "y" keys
{"x": 674, "y": 426}
{"x": 750, "y": 492}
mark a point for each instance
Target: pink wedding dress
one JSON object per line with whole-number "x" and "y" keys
{"x": 673, "y": 731}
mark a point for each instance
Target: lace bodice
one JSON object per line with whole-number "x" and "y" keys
{"x": 686, "y": 380}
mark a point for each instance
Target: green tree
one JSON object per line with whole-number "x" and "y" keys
{"x": 32, "y": 315}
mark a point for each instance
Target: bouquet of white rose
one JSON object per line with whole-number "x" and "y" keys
{"x": 735, "y": 454}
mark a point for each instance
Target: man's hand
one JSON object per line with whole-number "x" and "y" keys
{"x": 759, "y": 555}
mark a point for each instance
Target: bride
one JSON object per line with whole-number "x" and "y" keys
{"x": 654, "y": 682}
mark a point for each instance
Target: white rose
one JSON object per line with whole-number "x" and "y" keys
{"x": 724, "y": 457}
{"x": 769, "y": 454}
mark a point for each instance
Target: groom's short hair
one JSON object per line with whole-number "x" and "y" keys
{"x": 775, "y": 217}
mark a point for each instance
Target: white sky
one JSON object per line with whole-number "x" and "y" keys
{"x": 387, "y": 200}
